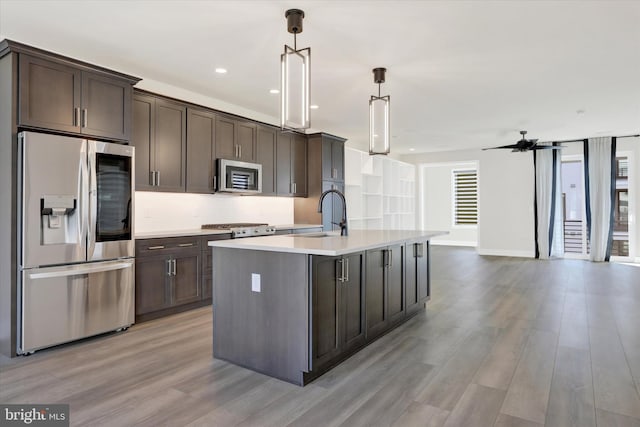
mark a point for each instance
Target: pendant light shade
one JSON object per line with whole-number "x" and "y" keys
{"x": 379, "y": 132}
{"x": 295, "y": 77}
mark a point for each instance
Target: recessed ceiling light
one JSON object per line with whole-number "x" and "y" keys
{"x": 313, "y": 107}
{"x": 221, "y": 70}
{"x": 412, "y": 149}
{"x": 274, "y": 91}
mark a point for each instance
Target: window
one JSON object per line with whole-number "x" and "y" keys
{"x": 465, "y": 200}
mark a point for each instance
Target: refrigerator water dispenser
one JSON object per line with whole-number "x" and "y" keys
{"x": 57, "y": 225}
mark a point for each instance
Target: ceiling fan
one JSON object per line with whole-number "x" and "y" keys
{"x": 526, "y": 145}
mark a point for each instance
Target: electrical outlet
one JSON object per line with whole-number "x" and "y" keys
{"x": 255, "y": 282}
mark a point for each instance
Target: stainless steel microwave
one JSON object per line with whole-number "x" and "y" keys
{"x": 239, "y": 177}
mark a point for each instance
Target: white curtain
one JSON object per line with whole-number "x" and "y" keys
{"x": 599, "y": 199}
{"x": 549, "y": 231}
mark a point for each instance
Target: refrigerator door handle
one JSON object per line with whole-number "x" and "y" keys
{"x": 84, "y": 191}
{"x": 91, "y": 215}
{"x": 78, "y": 270}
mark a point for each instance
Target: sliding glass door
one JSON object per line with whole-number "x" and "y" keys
{"x": 576, "y": 237}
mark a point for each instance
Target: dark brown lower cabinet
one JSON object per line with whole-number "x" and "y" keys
{"x": 168, "y": 276}
{"x": 385, "y": 296}
{"x": 417, "y": 281}
{"x": 337, "y": 307}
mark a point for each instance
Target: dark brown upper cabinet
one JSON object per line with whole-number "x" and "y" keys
{"x": 58, "y": 96}
{"x": 332, "y": 158}
{"x": 235, "y": 139}
{"x": 266, "y": 156}
{"x": 159, "y": 135}
{"x": 201, "y": 149}
{"x": 291, "y": 165}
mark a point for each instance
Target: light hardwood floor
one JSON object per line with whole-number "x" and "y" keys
{"x": 504, "y": 342}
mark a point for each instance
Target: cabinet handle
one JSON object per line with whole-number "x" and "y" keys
{"x": 185, "y": 245}
{"x": 76, "y": 116}
{"x": 215, "y": 183}
{"x": 153, "y": 248}
{"x": 295, "y": 187}
{"x": 152, "y": 178}
{"x": 240, "y": 150}
{"x": 390, "y": 258}
{"x": 168, "y": 267}
{"x": 157, "y": 178}
{"x": 419, "y": 250}
{"x": 85, "y": 117}
{"x": 341, "y": 276}
{"x": 173, "y": 261}
{"x": 346, "y": 269}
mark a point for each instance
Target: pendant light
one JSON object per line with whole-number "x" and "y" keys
{"x": 295, "y": 72}
{"x": 379, "y": 132}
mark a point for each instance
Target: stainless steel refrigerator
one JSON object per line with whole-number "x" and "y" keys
{"x": 76, "y": 244}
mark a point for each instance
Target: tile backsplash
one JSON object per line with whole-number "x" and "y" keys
{"x": 184, "y": 211}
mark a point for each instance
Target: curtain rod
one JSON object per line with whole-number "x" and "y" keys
{"x": 582, "y": 139}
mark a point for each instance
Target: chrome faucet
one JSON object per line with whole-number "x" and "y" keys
{"x": 343, "y": 222}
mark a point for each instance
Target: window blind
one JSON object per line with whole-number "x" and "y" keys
{"x": 465, "y": 186}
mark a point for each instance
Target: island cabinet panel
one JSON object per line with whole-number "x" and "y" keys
{"x": 385, "y": 297}
{"x": 266, "y": 156}
{"x": 261, "y": 311}
{"x": 337, "y": 307}
{"x": 417, "y": 275}
{"x": 168, "y": 276}
{"x": 59, "y": 96}
{"x": 201, "y": 161}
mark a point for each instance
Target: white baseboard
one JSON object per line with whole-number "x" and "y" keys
{"x": 453, "y": 243}
{"x": 503, "y": 252}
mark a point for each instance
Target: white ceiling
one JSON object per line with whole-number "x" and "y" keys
{"x": 461, "y": 74}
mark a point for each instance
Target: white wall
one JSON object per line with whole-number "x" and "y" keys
{"x": 184, "y": 211}
{"x": 505, "y": 182}
{"x": 436, "y": 204}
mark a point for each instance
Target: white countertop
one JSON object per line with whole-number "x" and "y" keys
{"x": 332, "y": 245}
{"x": 205, "y": 232}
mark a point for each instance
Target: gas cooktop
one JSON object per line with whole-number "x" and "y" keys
{"x": 243, "y": 229}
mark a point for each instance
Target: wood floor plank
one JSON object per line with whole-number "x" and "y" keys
{"x": 452, "y": 380}
{"x": 505, "y": 420}
{"x": 418, "y": 414}
{"x": 614, "y": 387}
{"x": 479, "y": 405}
{"x": 528, "y": 394}
{"x": 611, "y": 419}
{"x": 571, "y": 401}
{"x": 388, "y": 403}
{"x": 499, "y": 366}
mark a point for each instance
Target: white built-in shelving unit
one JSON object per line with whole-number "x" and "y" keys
{"x": 380, "y": 192}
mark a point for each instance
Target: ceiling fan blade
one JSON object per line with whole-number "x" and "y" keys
{"x": 504, "y": 146}
{"x": 546, "y": 147}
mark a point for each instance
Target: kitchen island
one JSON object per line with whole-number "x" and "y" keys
{"x": 293, "y": 306}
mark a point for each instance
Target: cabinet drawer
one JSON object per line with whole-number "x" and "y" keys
{"x": 148, "y": 247}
